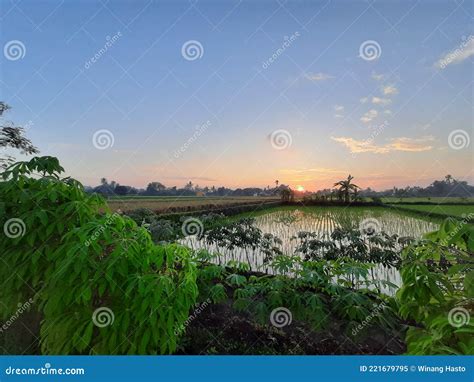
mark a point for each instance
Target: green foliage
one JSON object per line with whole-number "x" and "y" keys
{"x": 437, "y": 292}
{"x": 309, "y": 289}
{"x": 75, "y": 257}
{"x": 376, "y": 248}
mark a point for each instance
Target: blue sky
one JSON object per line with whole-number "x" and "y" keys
{"x": 393, "y": 120}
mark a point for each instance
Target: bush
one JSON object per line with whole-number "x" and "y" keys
{"x": 438, "y": 291}
{"x": 98, "y": 281}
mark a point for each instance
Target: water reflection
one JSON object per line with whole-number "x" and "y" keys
{"x": 287, "y": 223}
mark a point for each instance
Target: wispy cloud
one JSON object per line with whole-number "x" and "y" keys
{"x": 389, "y": 90}
{"x": 364, "y": 99}
{"x": 339, "y": 108}
{"x": 458, "y": 55}
{"x": 318, "y": 76}
{"x": 395, "y": 144}
{"x": 381, "y": 101}
{"x": 369, "y": 116}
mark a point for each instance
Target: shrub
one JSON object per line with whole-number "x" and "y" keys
{"x": 438, "y": 291}
{"x": 97, "y": 279}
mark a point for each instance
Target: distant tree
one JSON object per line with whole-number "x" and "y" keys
{"x": 12, "y": 136}
{"x": 276, "y": 183}
{"x": 154, "y": 187}
{"x": 346, "y": 187}
{"x": 121, "y": 190}
{"x": 188, "y": 186}
{"x": 286, "y": 194}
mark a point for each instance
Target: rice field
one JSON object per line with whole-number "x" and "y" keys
{"x": 171, "y": 204}
{"x": 459, "y": 211}
{"x": 433, "y": 200}
{"x": 286, "y": 222}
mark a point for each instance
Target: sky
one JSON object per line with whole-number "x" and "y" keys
{"x": 241, "y": 93}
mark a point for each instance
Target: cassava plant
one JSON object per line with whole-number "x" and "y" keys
{"x": 76, "y": 261}
{"x": 438, "y": 291}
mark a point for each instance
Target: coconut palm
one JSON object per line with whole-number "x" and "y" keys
{"x": 345, "y": 187}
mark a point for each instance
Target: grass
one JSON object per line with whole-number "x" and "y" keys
{"x": 434, "y": 200}
{"x": 165, "y": 204}
{"x": 447, "y": 210}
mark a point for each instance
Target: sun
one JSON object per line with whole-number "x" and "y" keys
{"x": 300, "y": 188}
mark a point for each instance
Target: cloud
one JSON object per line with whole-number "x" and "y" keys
{"x": 318, "y": 76}
{"x": 388, "y": 112}
{"x": 377, "y": 77}
{"x": 395, "y": 144}
{"x": 369, "y": 116}
{"x": 364, "y": 99}
{"x": 339, "y": 108}
{"x": 389, "y": 89}
{"x": 381, "y": 101}
{"x": 338, "y": 116}
{"x": 458, "y": 55}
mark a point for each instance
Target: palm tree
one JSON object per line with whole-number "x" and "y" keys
{"x": 346, "y": 187}
{"x": 276, "y": 183}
